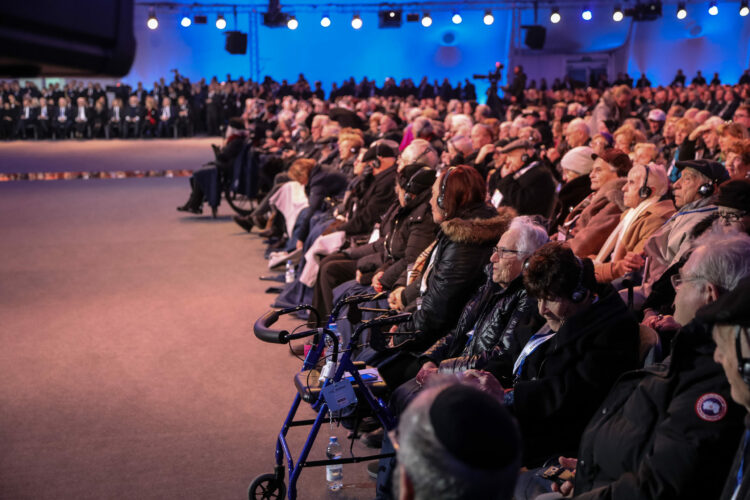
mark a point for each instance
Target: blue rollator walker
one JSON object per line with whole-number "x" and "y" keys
{"x": 320, "y": 395}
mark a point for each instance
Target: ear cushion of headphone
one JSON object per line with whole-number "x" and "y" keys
{"x": 441, "y": 194}
{"x": 744, "y": 369}
{"x": 525, "y": 158}
{"x": 706, "y": 189}
{"x": 645, "y": 192}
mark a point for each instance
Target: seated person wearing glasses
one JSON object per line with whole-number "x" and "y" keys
{"x": 566, "y": 368}
{"x": 670, "y": 430}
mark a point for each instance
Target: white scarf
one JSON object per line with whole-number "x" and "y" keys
{"x": 614, "y": 241}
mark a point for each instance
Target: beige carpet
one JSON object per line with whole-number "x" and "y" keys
{"x": 128, "y": 365}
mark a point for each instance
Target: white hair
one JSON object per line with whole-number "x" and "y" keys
{"x": 724, "y": 261}
{"x": 531, "y": 235}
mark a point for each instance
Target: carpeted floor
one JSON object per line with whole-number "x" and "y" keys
{"x": 128, "y": 365}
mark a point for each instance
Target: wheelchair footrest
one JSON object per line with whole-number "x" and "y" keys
{"x": 308, "y": 385}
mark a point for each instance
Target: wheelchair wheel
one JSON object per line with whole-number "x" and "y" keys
{"x": 239, "y": 202}
{"x": 266, "y": 487}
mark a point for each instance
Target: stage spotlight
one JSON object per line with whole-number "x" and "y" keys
{"x": 152, "y": 22}
{"x": 221, "y": 23}
{"x": 681, "y": 11}
{"x": 554, "y": 17}
{"x": 744, "y": 8}
{"x": 617, "y": 15}
{"x": 356, "y": 22}
{"x": 292, "y": 23}
{"x": 325, "y": 21}
{"x": 185, "y": 21}
{"x": 713, "y": 8}
{"x": 426, "y": 20}
{"x": 488, "y": 17}
{"x": 456, "y": 18}
{"x": 586, "y": 14}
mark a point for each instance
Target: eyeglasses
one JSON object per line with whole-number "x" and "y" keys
{"x": 729, "y": 217}
{"x": 505, "y": 253}
{"x": 677, "y": 280}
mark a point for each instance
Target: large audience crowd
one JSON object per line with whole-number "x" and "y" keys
{"x": 576, "y": 262}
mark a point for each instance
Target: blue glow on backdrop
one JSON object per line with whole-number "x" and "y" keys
{"x": 711, "y": 43}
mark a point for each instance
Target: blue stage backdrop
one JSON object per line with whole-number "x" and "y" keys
{"x": 711, "y": 43}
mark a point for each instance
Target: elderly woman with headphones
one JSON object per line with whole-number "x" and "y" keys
{"x": 454, "y": 268}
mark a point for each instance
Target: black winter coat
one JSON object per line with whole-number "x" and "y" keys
{"x": 493, "y": 314}
{"x": 571, "y": 194}
{"x": 668, "y": 431}
{"x": 405, "y": 233}
{"x": 530, "y": 191}
{"x": 464, "y": 245}
{"x": 731, "y": 484}
{"x": 375, "y": 200}
{"x": 564, "y": 380}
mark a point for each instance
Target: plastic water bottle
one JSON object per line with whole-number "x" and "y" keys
{"x": 334, "y": 472}
{"x": 289, "y": 275}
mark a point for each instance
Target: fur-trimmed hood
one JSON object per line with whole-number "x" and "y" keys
{"x": 484, "y": 225}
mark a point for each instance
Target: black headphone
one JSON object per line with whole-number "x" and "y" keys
{"x": 743, "y": 363}
{"x": 580, "y": 292}
{"x": 441, "y": 194}
{"x": 525, "y": 158}
{"x": 645, "y": 191}
{"x": 408, "y": 195}
{"x": 707, "y": 189}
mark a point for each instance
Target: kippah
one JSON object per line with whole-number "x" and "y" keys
{"x": 475, "y": 427}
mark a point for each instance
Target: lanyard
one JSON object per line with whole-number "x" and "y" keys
{"x": 534, "y": 342}
{"x": 696, "y": 211}
{"x": 742, "y": 465}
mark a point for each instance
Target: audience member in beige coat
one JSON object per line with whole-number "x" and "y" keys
{"x": 646, "y": 213}
{"x": 589, "y": 224}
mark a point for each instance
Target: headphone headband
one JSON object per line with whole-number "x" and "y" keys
{"x": 645, "y": 191}
{"x": 579, "y": 292}
{"x": 441, "y": 194}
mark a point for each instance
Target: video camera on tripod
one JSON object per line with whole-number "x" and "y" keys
{"x": 493, "y": 76}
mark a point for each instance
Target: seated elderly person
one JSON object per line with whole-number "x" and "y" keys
{"x": 526, "y": 184}
{"x": 669, "y": 431}
{"x": 456, "y": 441}
{"x": 576, "y": 167}
{"x": 565, "y": 369}
{"x": 591, "y": 221}
{"x": 730, "y": 318}
{"x": 647, "y": 212}
{"x": 458, "y": 149}
{"x": 487, "y": 325}
{"x": 694, "y": 199}
{"x": 204, "y": 182}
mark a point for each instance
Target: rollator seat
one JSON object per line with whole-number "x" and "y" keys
{"x": 308, "y": 385}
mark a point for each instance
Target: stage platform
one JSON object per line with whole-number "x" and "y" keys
{"x": 128, "y": 363}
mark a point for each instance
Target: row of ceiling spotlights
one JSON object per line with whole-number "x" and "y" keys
{"x": 488, "y": 19}
{"x": 618, "y": 15}
{"x": 426, "y": 21}
{"x": 325, "y": 21}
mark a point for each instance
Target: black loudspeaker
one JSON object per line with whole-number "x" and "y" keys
{"x": 236, "y": 42}
{"x": 77, "y": 38}
{"x": 535, "y": 37}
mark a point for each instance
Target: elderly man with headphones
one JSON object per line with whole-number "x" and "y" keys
{"x": 693, "y": 197}
{"x": 730, "y": 317}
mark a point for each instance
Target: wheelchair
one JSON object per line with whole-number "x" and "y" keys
{"x": 338, "y": 371}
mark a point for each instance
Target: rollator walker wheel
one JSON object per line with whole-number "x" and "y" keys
{"x": 267, "y": 487}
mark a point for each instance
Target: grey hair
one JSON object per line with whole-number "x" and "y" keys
{"x": 435, "y": 473}
{"x": 581, "y": 124}
{"x": 422, "y": 150}
{"x": 725, "y": 259}
{"x": 531, "y": 234}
